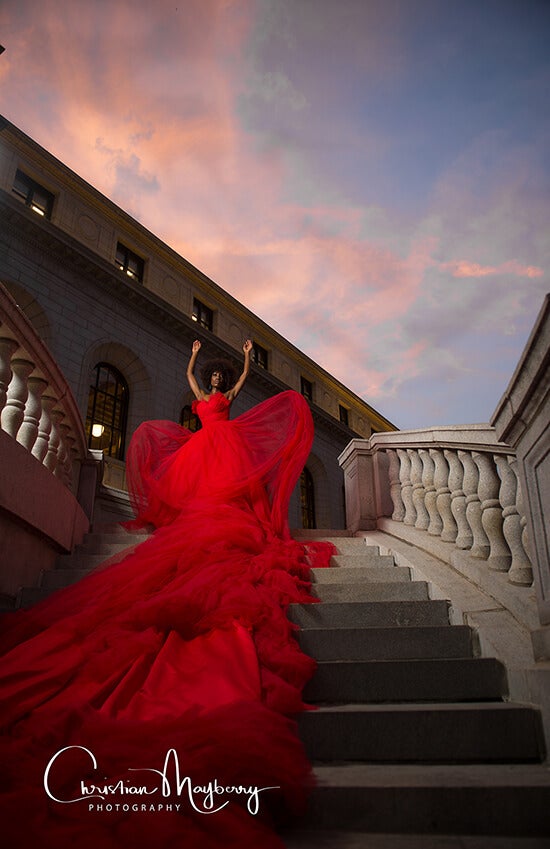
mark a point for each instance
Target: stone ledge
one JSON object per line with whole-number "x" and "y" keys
{"x": 519, "y": 601}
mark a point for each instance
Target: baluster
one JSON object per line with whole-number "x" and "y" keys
{"x": 435, "y": 525}
{"x": 464, "y": 536}
{"x": 443, "y": 496}
{"x": 62, "y": 452}
{"x": 470, "y": 483}
{"x": 14, "y": 410}
{"x": 418, "y": 491}
{"x": 406, "y": 487}
{"x": 40, "y": 447}
{"x": 491, "y": 516}
{"x": 51, "y": 459}
{"x": 521, "y": 572}
{"x": 395, "y": 487}
{"x": 72, "y": 456}
{"x": 8, "y": 347}
{"x": 28, "y": 432}
{"x": 521, "y": 511}
{"x": 67, "y": 441}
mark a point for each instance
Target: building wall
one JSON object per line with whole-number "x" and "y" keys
{"x": 62, "y": 273}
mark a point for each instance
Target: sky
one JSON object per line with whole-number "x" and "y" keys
{"x": 369, "y": 177}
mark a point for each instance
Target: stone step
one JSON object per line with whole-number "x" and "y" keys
{"x": 95, "y": 544}
{"x": 55, "y": 579}
{"x": 354, "y": 545}
{"x": 374, "y": 614}
{"x": 482, "y": 732}
{"x": 337, "y": 839}
{"x": 472, "y": 799}
{"x": 105, "y": 528}
{"x": 370, "y": 591}
{"x": 27, "y": 596}
{"x": 373, "y": 681}
{"x": 366, "y": 558}
{"x": 387, "y": 643}
{"x": 319, "y": 534}
{"x": 80, "y": 559}
{"x": 347, "y": 575}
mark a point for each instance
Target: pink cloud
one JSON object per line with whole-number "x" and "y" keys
{"x": 465, "y": 268}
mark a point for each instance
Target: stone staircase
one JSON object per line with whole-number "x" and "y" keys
{"x": 413, "y": 741}
{"x": 104, "y": 541}
{"x": 413, "y": 734}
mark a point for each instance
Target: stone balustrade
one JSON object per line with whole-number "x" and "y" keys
{"x": 459, "y": 484}
{"x": 49, "y": 478}
{"x": 37, "y": 407}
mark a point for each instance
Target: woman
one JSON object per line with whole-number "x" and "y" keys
{"x": 161, "y": 678}
{"x": 218, "y": 375}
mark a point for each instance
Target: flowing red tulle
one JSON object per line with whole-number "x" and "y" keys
{"x": 182, "y": 647}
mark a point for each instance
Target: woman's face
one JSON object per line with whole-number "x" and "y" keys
{"x": 216, "y": 380}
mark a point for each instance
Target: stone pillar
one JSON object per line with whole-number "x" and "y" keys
{"x": 8, "y": 347}
{"x": 406, "y": 486}
{"x": 28, "y": 432}
{"x": 443, "y": 495}
{"x": 499, "y": 558}
{"x": 464, "y": 537}
{"x": 40, "y": 447}
{"x": 520, "y": 572}
{"x": 435, "y": 525}
{"x": 357, "y": 463}
{"x": 480, "y": 544}
{"x": 418, "y": 492}
{"x": 395, "y": 486}
{"x": 14, "y": 410}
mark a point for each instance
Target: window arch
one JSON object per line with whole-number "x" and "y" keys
{"x": 189, "y": 419}
{"x": 107, "y": 410}
{"x": 307, "y": 499}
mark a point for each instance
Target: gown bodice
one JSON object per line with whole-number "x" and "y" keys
{"x": 216, "y": 409}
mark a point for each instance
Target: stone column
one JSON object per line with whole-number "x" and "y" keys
{"x": 499, "y": 558}
{"x": 28, "y": 432}
{"x": 8, "y": 347}
{"x": 435, "y": 525}
{"x": 464, "y": 537}
{"x": 418, "y": 491}
{"x": 395, "y": 486}
{"x": 40, "y": 447}
{"x": 520, "y": 571}
{"x": 357, "y": 463}
{"x": 443, "y": 495}
{"x": 470, "y": 483}
{"x": 14, "y": 410}
{"x": 406, "y": 486}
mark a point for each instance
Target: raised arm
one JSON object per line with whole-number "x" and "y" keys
{"x": 191, "y": 379}
{"x": 247, "y": 348}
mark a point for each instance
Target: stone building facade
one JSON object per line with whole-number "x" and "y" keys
{"x": 119, "y": 309}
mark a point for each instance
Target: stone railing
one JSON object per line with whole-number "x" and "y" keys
{"x": 457, "y": 484}
{"x": 37, "y": 407}
{"x": 48, "y": 478}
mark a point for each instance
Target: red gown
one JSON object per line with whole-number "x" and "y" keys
{"x": 152, "y": 702}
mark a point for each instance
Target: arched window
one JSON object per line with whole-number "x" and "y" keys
{"x": 107, "y": 411}
{"x": 189, "y": 419}
{"x": 307, "y": 499}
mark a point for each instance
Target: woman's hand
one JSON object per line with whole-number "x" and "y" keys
{"x": 247, "y": 347}
{"x": 194, "y": 386}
